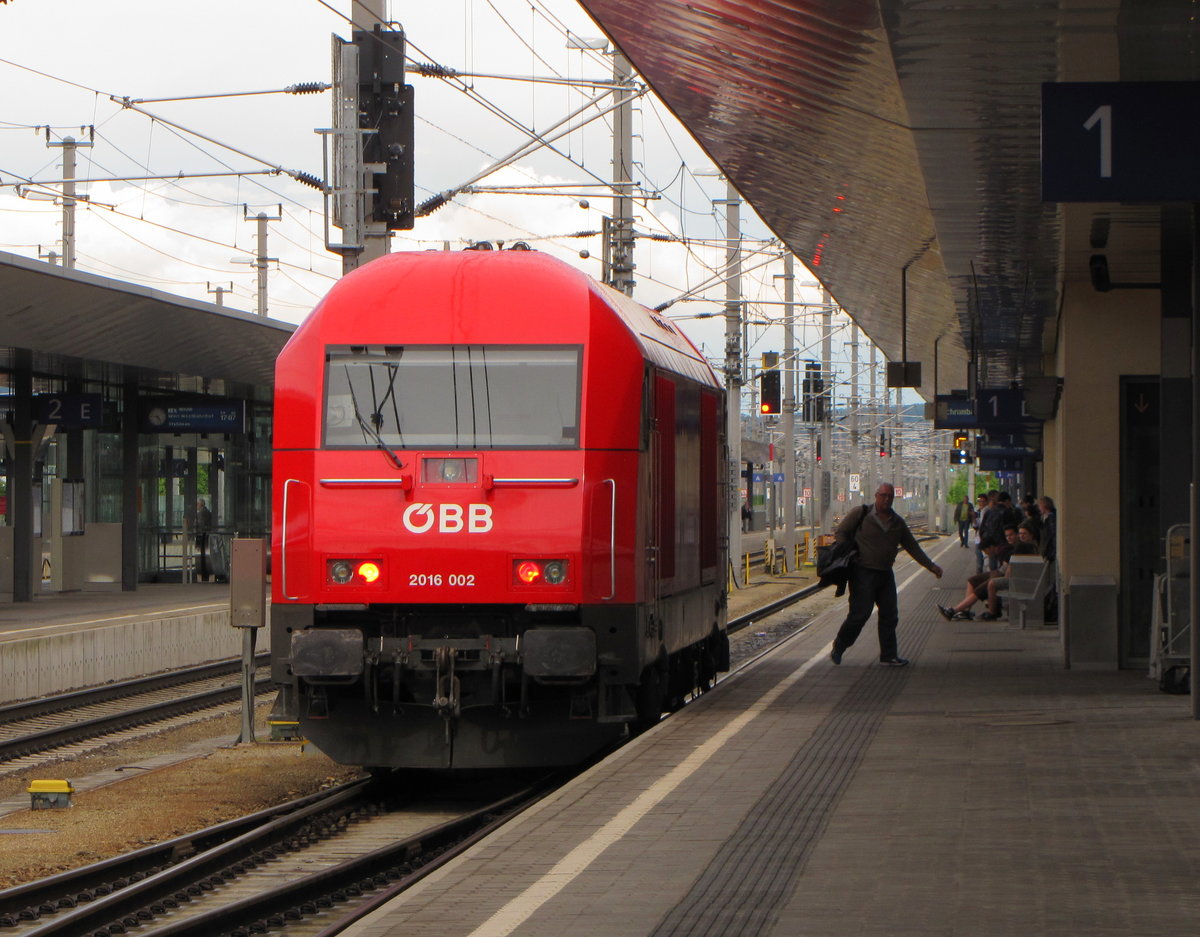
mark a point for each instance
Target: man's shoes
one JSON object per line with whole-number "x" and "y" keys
{"x": 987, "y": 616}
{"x": 947, "y": 613}
{"x": 963, "y": 616}
{"x": 836, "y": 655}
{"x": 893, "y": 661}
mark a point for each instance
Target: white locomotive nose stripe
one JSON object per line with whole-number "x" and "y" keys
{"x": 522, "y": 907}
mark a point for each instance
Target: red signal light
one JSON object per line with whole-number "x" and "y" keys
{"x": 528, "y": 572}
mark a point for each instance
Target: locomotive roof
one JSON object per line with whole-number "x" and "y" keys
{"x": 524, "y": 289}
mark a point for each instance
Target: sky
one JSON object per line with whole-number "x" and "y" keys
{"x": 67, "y": 65}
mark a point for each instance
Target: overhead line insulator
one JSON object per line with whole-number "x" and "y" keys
{"x": 308, "y": 179}
{"x": 307, "y": 87}
{"x": 430, "y": 70}
{"x": 430, "y": 205}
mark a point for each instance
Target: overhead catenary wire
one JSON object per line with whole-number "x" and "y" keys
{"x": 696, "y": 248}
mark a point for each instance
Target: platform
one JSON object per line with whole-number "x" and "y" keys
{"x": 984, "y": 790}
{"x": 67, "y": 641}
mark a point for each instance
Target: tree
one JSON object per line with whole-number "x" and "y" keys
{"x": 958, "y": 487}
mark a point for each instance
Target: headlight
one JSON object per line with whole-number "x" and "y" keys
{"x": 539, "y": 572}
{"x": 354, "y": 572}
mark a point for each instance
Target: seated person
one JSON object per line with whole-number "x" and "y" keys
{"x": 977, "y": 585}
{"x": 1033, "y": 522}
{"x": 1026, "y": 546}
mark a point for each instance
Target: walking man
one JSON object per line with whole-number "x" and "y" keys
{"x": 879, "y": 537}
{"x": 964, "y": 513}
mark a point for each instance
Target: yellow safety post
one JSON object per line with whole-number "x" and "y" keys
{"x": 747, "y": 568}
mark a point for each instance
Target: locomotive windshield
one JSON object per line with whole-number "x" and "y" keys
{"x": 452, "y": 396}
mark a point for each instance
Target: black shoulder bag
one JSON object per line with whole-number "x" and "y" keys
{"x": 835, "y": 560}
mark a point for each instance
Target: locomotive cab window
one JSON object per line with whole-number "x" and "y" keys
{"x": 452, "y": 397}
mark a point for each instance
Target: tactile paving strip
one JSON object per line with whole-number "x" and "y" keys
{"x": 738, "y": 894}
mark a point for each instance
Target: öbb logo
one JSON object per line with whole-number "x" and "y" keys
{"x": 420, "y": 518}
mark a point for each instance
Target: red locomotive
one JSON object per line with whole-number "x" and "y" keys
{"x": 499, "y": 515}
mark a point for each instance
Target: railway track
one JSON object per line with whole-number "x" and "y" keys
{"x": 84, "y": 720}
{"x": 311, "y": 866}
{"x": 308, "y": 866}
{"x": 74, "y": 724}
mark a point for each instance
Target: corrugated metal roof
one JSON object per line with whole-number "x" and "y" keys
{"x": 872, "y": 136}
{"x": 67, "y": 313}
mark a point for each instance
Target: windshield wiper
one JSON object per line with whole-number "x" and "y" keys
{"x": 369, "y": 428}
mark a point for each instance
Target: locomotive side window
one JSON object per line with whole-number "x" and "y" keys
{"x": 452, "y": 396}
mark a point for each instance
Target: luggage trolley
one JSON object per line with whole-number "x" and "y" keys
{"x": 1171, "y": 646}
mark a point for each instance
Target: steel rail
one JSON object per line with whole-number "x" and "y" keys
{"x": 140, "y": 902}
{"x": 35, "y": 742}
{"x": 744, "y": 621}
{"x": 47, "y": 705}
{"x": 392, "y": 867}
{"x": 67, "y": 890}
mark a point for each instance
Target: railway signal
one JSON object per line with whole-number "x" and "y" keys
{"x": 814, "y": 393}
{"x": 770, "y": 388}
{"x": 385, "y": 106}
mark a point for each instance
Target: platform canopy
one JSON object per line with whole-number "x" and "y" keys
{"x": 875, "y": 135}
{"x": 67, "y": 315}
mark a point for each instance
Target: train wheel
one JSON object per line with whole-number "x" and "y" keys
{"x": 708, "y": 672}
{"x": 649, "y": 699}
{"x": 684, "y": 675}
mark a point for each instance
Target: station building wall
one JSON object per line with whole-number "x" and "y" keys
{"x": 1102, "y": 337}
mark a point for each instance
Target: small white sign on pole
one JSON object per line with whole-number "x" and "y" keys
{"x": 855, "y": 483}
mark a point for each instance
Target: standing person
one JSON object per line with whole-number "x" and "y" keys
{"x": 1046, "y": 542}
{"x": 1011, "y": 514}
{"x": 203, "y": 526}
{"x": 991, "y": 528}
{"x": 881, "y": 534}
{"x": 963, "y": 514}
{"x": 981, "y": 504}
{"x": 1048, "y": 546}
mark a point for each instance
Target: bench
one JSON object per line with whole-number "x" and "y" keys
{"x": 1029, "y": 579}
